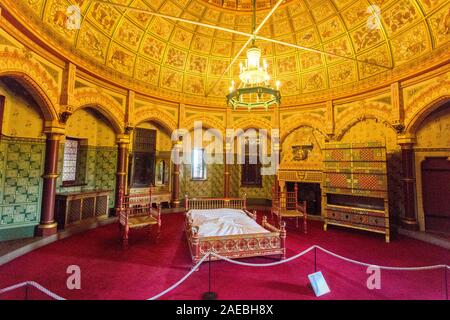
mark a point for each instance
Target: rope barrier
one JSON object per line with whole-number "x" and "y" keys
{"x": 182, "y": 279}
{"x": 332, "y": 254}
{"x": 438, "y": 266}
{"x": 194, "y": 268}
{"x": 263, "y": 264}
{"x": 33, "y": 284}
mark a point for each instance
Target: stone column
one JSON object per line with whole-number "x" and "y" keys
{"x": 123, "y": 142}
{"x": 176, "y": 176}
{"x": 409, "y": 219}
{"x": 48, "y": 225}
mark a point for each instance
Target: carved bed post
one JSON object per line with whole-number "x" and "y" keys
{"x": 264, "y": 221}
{"x": 283, "y": 239}
{"x": 255, "y": 215}
{"x": 186, "y": 202}
{"x": 305, "y": 217}
{"x": 195, "y": 245}
{"x": 245, "y": 201}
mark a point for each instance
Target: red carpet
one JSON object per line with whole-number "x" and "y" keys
{"x": 146, "y": 268}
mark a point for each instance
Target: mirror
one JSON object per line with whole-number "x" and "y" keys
{"x": 161, "y": 172}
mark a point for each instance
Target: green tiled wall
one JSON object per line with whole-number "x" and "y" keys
{"x": 213, "y": 185}
{"x": 21, "y": 168}
{"x": 100, "y": 172}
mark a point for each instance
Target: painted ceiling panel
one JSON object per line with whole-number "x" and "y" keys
{"x": 189, "y": 59}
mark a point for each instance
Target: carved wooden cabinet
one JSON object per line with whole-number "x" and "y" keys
{"x": 355, "y": 186}
{"x": 74, "y": 207}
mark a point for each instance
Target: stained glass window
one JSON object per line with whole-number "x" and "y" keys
{"x": 70, "y": 160}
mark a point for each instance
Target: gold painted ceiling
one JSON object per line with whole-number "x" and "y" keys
{"x": 186, "y": 59}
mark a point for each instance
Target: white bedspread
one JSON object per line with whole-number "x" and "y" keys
{"x": 224, "y": 222}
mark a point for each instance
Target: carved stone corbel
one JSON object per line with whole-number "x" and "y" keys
{"x": 128, "y": 128}
{"x": 65, "y": 114}
{"x": 398, "y": 126}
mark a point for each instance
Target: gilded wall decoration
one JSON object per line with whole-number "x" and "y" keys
{"x": 147, "y": 71}
{"x": 411, "y": 44}
{"x": 182, "y": 38}
{"x": 57, "y": 17}
{"x": 340, "y": 47}
{"x": 364, "y": 38}
{"x": 31, "y": 71}
{"x": 356, "y": 13}
{"x": 104, "y": 16}
{"x": 218, "y": 66}
{"x": 153, "y": 48}
{"x": 400, "y": 16}
{"x": 287, "y": 65}
{"x": 92, "y": 42}
{"x": 342, "y": 73}
{"x": 201, "y": 44}
{"x": 314, "y": 81}
{"x": 95, "y": 98}
{"x": 88, "y": 124}
{"x": 161, "y": 28}
{"x": 434, "y": 132}
{"x": 331, "y": 28}
{"x": 379, "y": 55}
{"x": 310, "y": 60}
{"x": 154, "y": 113}
{"x": 141, "y": 18}
{"x": 347, "y": 115}
{"x": 121, "y": 59}
{"x": 302, "y": 149}
{"x": 194, "y": 85}
{"x": 421, "y": 97}
{"x": 290, "y": 86}
{"x": 171, "y": 80}
{"x": 307, "y": 37}
{"x": 197, "y": 63}
{"x": 430, "y": 5}
{"x": 176, "y": 58}
{"x": 21, "y": 115}
{"x": 322, "y": 10}
{"x": 440, "y": 24}
{"x": 129, "y": 34}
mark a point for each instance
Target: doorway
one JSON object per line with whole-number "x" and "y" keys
{"x": 436, "y": 194}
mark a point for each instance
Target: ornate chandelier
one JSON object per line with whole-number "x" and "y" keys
{"x": 254, "y": 89}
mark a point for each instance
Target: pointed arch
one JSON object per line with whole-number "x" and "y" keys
{"x": 373, "y": 111}
{"x": 302, "y": 120}
{"x": 421, "y": 114}
{"x": 254, "y": 123}
{"x": 207, "y": 122}
{"x": 45, "y": 103}
{"x": 152, "y": 114}
{"x": 103, "y": 103}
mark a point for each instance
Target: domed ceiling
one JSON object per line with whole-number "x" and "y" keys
{"x": 188, "y": 59}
